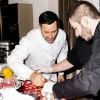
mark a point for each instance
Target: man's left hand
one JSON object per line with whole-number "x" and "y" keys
{"x": 37, "y": 79}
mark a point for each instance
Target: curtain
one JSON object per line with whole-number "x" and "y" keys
{"x": 64, "y": 6}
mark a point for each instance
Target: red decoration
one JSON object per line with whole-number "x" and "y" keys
{"x": 29, "y": 88}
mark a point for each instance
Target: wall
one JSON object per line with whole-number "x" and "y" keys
{"x": 96, "y": 3}
{"x": 38, "y": 7}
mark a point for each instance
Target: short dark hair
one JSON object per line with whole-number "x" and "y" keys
{"x": 48, "y": 17}
{"x": 83, "y": 8}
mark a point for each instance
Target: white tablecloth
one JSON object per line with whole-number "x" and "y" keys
{"x": 12, "y": 94}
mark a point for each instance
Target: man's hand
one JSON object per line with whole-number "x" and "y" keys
{"x": 37, "y": 79}
{"x": 60, "y": 78}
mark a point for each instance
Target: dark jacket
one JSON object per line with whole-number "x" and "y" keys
{"x": 88, "y": 80}
{"x": 80, "y": 53}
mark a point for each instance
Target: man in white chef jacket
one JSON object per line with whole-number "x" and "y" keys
{"x": 40, "y": 47}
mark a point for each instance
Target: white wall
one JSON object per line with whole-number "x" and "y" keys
{"x": 38, "y": 7}
{"x": 96, "y": 3}
{"x": 53, "y": 5}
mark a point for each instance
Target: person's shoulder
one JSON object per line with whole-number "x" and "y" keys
{"x": 33, "y": 32}
{"x": 31, "y": 36}
{"x": 61, "y": 35}
{"x": 61, "y": 31}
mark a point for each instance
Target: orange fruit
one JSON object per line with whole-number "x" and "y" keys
{"x": 7, "y": 72}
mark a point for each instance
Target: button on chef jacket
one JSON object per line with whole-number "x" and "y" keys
{"x": 34, "y": 51}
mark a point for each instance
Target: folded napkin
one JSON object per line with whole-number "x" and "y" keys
{"x": 12, "y": 94}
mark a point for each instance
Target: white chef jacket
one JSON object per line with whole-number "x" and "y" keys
{"x": 36, "y": 52}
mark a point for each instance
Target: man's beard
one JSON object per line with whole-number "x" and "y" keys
{"x": 86, "y": 34}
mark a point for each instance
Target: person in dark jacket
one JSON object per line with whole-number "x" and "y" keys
{"x": 85, "y": 19}
{"x": 79, "y": 55}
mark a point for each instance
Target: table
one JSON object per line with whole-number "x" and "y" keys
{"x": 12, "y": 94}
